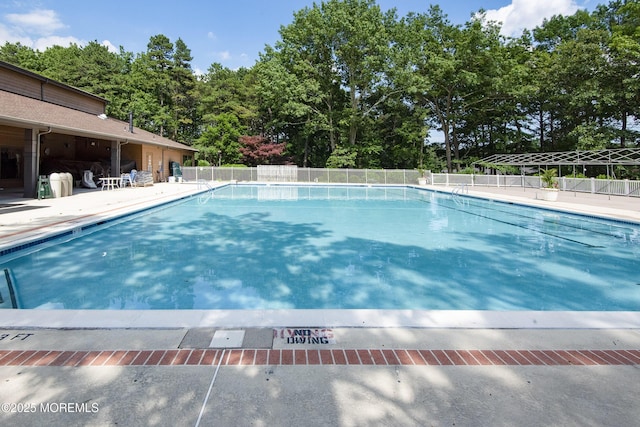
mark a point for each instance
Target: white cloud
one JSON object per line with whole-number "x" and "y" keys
{"x": 231, "y": 60}
{"x": 211, "y": 35}
{"x": 521, "y": 14}
{"x": 224, "y": 55}
{"x": 43, "y": 43}
{"x": 38, "y": 29}
{"x": 7, "y": 35}
{"x": 110, "y": 46}
{"x": 39, "y": 21}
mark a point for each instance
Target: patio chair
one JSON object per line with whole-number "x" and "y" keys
{"x": 87, "y": 180}
{"x": 129, "y": 178}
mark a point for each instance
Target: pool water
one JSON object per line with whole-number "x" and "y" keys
{"x": 311, "y": 247}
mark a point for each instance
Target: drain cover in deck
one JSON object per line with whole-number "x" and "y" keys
{"x": 227, "y": 339}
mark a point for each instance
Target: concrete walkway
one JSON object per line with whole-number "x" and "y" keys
{"x": 366, "y": 377}
{"x": 24, "y": 220}
{"x": 336, "y": 376}
{"x": 615, "y": 207}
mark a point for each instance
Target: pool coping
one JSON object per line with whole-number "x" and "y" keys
{"x": 363, "y": 318}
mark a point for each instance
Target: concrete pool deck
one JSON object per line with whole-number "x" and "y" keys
{"x": 203, "y": 374}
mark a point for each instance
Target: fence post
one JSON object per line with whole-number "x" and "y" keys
{"x": 446, "y": 179}
{"x": 593, "y": 185}
{"x": 626, "y": 187}
{"x": 498, "y": 180}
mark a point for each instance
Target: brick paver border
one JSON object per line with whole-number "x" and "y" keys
{"x": 258, "y": 357}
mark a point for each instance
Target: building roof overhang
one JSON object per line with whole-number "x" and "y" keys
{"x": 21, "y": 111}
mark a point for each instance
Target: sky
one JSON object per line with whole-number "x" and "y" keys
{"x": 232, "y": 33}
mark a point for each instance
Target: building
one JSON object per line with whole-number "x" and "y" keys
{"x": 47, "y": 126}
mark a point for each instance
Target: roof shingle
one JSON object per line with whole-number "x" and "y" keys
{"x": 27, "y": 112}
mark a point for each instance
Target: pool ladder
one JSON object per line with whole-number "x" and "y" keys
{"x": 204, "y": 198}
{"x": 459, "y": 189}
{"x": 10, "y": 289}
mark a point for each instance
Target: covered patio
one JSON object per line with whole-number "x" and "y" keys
{"x": 48, "y": 127}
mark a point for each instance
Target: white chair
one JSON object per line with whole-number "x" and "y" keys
{"x": 87, "y": 180}
{"x": 128, "y": 178}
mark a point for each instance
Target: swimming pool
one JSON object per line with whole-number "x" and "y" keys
{"x": 281, "y": 247}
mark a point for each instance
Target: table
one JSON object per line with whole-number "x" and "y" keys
{"x": 110, "y": 183}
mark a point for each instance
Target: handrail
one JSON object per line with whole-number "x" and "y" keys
{"x": 460, "y": 189}
{"x": 12, "y": 293}
{"x": 204, "y": 198}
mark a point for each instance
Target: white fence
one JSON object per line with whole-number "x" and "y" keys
{"x": 277, "y": 173}
{"x": 404, "y": 177}
{"x": 614, "y": 187}
{"x": 295, "y": 174}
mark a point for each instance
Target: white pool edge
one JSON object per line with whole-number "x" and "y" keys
{"x": 464, "y": 319}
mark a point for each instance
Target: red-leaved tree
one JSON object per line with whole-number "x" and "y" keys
{"x": 258, "y": 150}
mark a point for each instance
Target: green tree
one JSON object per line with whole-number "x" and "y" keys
{"x": 360, "y": 43}
{"x": 590, "y": 67}
{"x": 305, "y": 52}
{"x": 104, "y": 73}
{"x": 225, "y": 91}
{"x": 163, "y": 95}
{"x": 342, "y": 46}
{"x": 448, "y": 69}
{"x": 184, "y": 96}
{"x": 159, "y": 64}
{"x": 342, "y": 157}
{"x": 62, "y": 64}
{"x": 219, "y": 144}
{"x": 620, "y": 20}
{"x": 291, "y": 104}
{"x": 19, "y": 55}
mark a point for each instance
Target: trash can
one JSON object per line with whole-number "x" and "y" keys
{"x": 64, "y": 185}
{"x": 56, "y": 184}
{"x": 69, "y": 184}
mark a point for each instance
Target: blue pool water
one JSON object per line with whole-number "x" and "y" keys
{"x": 280, "y": 247}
